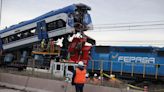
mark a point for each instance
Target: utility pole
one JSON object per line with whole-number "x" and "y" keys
{"x": 1, "y": 12}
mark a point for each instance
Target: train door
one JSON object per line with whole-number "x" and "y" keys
{"x": 42, "y": 31}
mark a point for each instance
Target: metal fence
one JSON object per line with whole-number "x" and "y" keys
{"x": 122, "y": 65}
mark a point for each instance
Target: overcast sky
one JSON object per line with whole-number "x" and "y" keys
{"x": 103, "y": 12}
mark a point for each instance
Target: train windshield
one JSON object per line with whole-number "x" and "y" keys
{"x": 81, "y": 17}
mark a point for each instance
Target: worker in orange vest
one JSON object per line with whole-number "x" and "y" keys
{"x": 79, "y": 78}
{"x": 87, "y": 78}
{"x": 96, "y": 81}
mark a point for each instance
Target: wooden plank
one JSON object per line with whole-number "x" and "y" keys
{"x": 45, "y": 53}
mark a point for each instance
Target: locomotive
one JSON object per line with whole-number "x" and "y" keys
{"x": 128, "y": 61}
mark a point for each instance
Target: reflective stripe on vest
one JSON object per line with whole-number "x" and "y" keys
{"x": 80, "y": 76}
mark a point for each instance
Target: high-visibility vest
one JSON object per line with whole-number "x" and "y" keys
{"x": 42, "y": 44}
{"x": 80, "y": 76}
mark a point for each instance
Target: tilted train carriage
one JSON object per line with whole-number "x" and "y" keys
{"x": 16, "y": 42}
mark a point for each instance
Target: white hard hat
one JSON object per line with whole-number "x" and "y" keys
{"x": 80, "y": 63}
{"x": 112, "y": 76}
{"x": 87, "y": 75}
{"x": 99, "y": 77}
{"x": 95, "y": 75}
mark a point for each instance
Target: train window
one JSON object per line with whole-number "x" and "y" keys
{"x": 160, "y": 53}
{"x": 102, "y": 49}
{"x": 12, "y": 38}
{"x": 55, "y": 25}
{"x": 16, "y": 37}
{"x": 70, "y": 68}
{"x": 58, "y": 67}
{"x": 51, "y": 26}
{"x": 20, "y": 35}
{"x": 60, "y": 23}
{"x": 32, "y": 31}
{"x": 25, "y": 34}
{"x": 5, "y": 40}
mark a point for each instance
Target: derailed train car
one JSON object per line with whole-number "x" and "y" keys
{"x": 16, "y": 42}
{"x": 128, "y": 61}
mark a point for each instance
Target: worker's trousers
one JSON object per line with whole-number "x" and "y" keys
{"x": 79, "y": 87}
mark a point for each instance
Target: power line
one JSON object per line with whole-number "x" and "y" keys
{"x": 131, "y": 44}
{"x": 127, "y": 29}
{"x": 121, "y": 26}
{"x": 159, "y": 21}
{"x": 131, "y": 40}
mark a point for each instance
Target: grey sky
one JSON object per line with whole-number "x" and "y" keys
{"x": 103, "y": 12}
